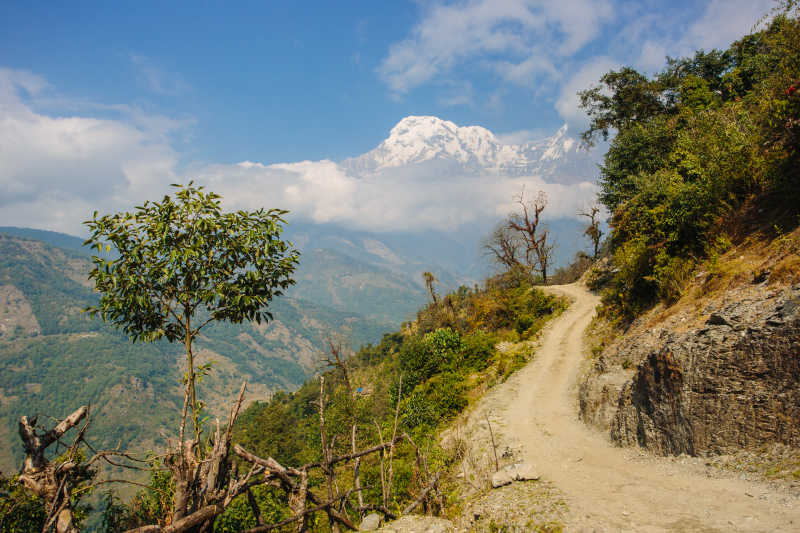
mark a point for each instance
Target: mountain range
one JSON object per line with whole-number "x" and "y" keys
{"x": 352, "y": 285}
{"x": 475, "y": 150}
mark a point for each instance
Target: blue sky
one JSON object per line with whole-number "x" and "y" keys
{"x": 172, "y": 87}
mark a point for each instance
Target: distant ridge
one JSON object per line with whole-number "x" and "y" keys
{"x": 53, "y": 238}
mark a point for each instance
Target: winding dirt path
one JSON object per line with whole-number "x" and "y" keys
{"x": 613, "y": 489}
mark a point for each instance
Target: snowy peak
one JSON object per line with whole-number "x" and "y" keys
{"x": 419, "y": 139}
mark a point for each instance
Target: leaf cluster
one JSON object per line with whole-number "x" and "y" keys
{"x": 184, "y": 255}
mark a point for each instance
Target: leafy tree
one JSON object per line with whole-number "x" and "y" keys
{"x": 623, "y": 98}
{"x": 184, "y": 263}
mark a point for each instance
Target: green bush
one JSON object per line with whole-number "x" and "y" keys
{"x": 437, "y": 351}
{"x": 434, "y": 401}
{"x": 478, "y": 349}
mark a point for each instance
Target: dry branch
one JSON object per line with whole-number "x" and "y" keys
{"x": 424, "y": 493}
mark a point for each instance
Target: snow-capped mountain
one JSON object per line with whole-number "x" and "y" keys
{"x": 420, "y": 139}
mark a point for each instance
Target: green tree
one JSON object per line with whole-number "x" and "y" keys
{"x": 183, "y": 263}
{"x": 708, "y": 139}
{"x": 624, "y": 97}
{"x": 21, "y": 511}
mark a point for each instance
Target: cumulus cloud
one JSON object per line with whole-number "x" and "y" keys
{"x": 527, "y": 33}
{"x": 420, "y": 197}
{"x": 55, "y": 170}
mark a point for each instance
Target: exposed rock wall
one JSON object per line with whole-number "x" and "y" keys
{"x": 732, "y": 384}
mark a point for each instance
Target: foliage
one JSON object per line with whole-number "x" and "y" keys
{"x": 238, "y": 516}
{"x": 694, "y": 144}
{"x": 421, "y": 358}
{"x": 184, "y": 263}
{"x": 186, "y": 254}
{"x": 148, "y": 506}
{"x": 20, "y": 510}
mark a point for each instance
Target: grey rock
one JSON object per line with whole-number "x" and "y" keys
{"x": 371, "y": 522}
{"x": 502, "y": 478}
{"x": 526, "y": 472}
{"x": 713, "y": 390}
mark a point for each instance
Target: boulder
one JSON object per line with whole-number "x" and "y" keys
{"x": 526, "y": 472}
{"x": 502, "y": 478}
{"x": 371, "y": 522}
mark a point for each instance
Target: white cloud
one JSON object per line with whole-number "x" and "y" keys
{"x": 414, "y": 198}
{"x": 62, "y": 168}
{"x": 54, "y": 171}
{"x": 527, "y": 33}
{"x": 587, "y": 76}
{"x": 724, "y": 21}
{"x": 719, "y": 24}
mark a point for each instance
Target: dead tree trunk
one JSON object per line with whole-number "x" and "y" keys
{"x": 203, "y": 487}
{"x": 53, "y": 482}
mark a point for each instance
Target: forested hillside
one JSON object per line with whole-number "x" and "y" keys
{"x": 702, "y": 155}
{"x": 55, "y": 357}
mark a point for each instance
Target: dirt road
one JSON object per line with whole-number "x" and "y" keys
{"x": 613, "y": 489}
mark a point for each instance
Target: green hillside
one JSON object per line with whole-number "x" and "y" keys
{"x": 449, "y": 356}
{"x": 53, "y": 357}
{"x": 340, "y": 281}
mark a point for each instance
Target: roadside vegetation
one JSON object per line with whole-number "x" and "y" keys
{"x": 703, "y": 154}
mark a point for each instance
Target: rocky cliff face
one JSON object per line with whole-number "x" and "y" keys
{"x": 729, "y": 384}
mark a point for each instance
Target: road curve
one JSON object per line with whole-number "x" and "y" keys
{"x": 609, "y": 488}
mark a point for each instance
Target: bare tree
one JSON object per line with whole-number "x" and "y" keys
{"x": 528, "y": 226}
{"x": 504, "y": 246}
{"x": 593, "y": 230}
{"x": 204, "y": 488}
{"x": 429, "y": 280}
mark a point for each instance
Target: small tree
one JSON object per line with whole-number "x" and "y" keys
{"x": 183, "y": 263}
{"x": 593, "y": 231}
{"x": 429, "y": 280}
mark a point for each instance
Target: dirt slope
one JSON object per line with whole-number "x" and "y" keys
{"x": 609, "y": 488}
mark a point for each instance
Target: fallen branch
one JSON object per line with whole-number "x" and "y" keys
{"x": 424, "y": 493}
{"x": 322, "y": 506}
{"x": 380, "y": 508}
{"x": 494, "y": 446}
